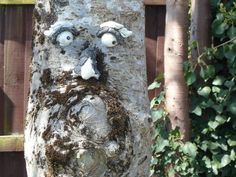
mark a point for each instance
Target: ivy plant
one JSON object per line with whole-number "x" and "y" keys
{"x": 211, "y": 152}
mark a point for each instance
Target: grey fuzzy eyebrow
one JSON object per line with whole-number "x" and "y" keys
{"x": 73, "y": 30}
{"x": 110, "y": 30}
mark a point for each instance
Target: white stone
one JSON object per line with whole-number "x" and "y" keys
{"x": 109, "y": 40}
{"x": 65, "y": 38}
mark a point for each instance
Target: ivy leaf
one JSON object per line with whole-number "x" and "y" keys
{"x": 207, "y": 161}
{"x": 190, "y": 78}
{"x": 231, "y": 33}
{"x": 215, "y": 165}
{"x": 205, "y": 91}
{"x": 157, "y": 114}
{"x": 218, "y": 25}
{"x": 171, "y": 172}
{"x": 231, "y": 142}
{"x": 207, "y": 72}
{"x": 232, "y": 155}
{"x": 229, "y": 84}
{"x": 213, "y": 124}
{"x": 230, "y": 52}
{"x": 220, "y": 119}
{"x": 190, "y": 149}
{"x": 154, "y": 85}
{"x": 161, "y": 144}
{"x": 225, "y": 160}
{"x": 232, "y": 108}
{"x": 219, "y": 80}
{"x": 216, "y": 89}
{"x": 218, "y": 108}
{"x": 159, "y": 77}
{"x": 197, "y": 111}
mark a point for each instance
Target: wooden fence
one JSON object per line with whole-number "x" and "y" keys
{"x": 15, "y": 56}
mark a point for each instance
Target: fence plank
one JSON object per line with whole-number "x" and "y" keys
{"x": 155, "y": 30}
{"x": 2, "y": 15}
{"x": 17, "y": 1}
{"x": 28, "y": 11}
{"x": 12, "y": 164}
{"x": 154, "y": 2}
{"x": 11, "y": 143}
{"x": 14, "y": 47}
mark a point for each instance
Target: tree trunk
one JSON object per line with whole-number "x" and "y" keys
{"x": 88, "y": 106}
{"x": 175, "y": 54}
{"x": 200, "y": 25}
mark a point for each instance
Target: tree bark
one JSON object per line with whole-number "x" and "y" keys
{"x": 174, "y": 55}
{"x": 87, "y": 127}
{"x": 200, "y": 25}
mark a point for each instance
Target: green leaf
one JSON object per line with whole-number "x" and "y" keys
{"x": 197, "y": 111}
{"x": 154, "y": 85}
{"x": 218, "y": 108}
{"x": 216, "y": 89}
{"x": 220, "y": 119}
{"x": 231, "y": 142}
{"x": 161, "y": 144}
{"x": 207, "y": 161}
{"x": 225, "y": 160}
{"x": 232, "y": 155}
{"x": 213, "y": 145}
{"x": 219, "y": 80}
{"x": 171, "y": 172}
{"x": 215, "y": 165}
{"x": 218, "y": 25}
{"x": 204, "y": 145}
{"x": 207, "y": 72}
{"x": 213, "y": 124}
{"x": 229, "y": 84}
{"x": 231, "y": 33}
{"x": 190, "y": 78}
{"x": 190, "y": 149}
{"x": 157, "y": 114}
{"x": 230, "y": 53}
{"x": 232, "y": 108}
{"x": 159, "y": 77}
{"x": 205, "y": 91}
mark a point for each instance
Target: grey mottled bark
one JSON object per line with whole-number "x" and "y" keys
{"x": 81, "y": 126}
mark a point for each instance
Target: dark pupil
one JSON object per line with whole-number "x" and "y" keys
{"x": 113, "y": 42}
{"x": 68, "y": 37}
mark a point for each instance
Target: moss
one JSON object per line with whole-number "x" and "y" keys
{"x": 46, "y": 77}
{"x": 36, "y": 15}
{"x": 41, "y": 39}
{"x": 46, "y": 134}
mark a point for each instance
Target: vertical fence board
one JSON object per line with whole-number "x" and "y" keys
{"x": 155, "y": 31}
{"x": 28, "y": 52}
{"x": 15, "y": 57}
{"x": 12, "y": 164}
{"x": 14, "y": 70}
{"x": 2, "y": 15}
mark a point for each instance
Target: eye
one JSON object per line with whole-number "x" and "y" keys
{"x": 109, "y": 40}
{"x": 65, "y": 38}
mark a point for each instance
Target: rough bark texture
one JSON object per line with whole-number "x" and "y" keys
{"x": 175, "y": 54}
{"x": 92, "y": 128}
{"x": 200, "y": 25}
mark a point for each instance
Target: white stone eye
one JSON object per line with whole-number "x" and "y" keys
{"x": 109, "y": 40}
{"x": 65, "y": 38}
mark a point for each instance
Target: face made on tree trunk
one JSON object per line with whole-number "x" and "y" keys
{"x": 66, "y": 36}
{"x": 86, "y": 89}
{"x": 87, "y": 126}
